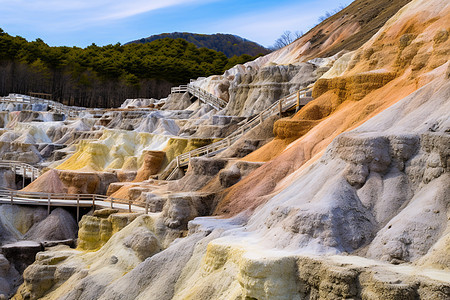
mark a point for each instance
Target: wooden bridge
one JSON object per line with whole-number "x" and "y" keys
{"x": 298, "y": 99}
{"x": 14, "y": 197}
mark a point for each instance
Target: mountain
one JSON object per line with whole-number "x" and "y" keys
{"x": 227, "y": 43}
{"x": 104, "y": 76}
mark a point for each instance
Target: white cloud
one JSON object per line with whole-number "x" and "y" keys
{"x": 81, "y": 22}
{"x": 76, "y": 14}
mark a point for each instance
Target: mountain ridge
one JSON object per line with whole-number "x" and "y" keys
{"x": 229, "y": 44}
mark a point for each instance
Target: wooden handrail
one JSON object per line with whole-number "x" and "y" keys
{"x": 201, "y": 94}
{"x": 207, "y": 97}
{"x": 62, "y": 199}
{"x": 277, "y": 107}
{"x": 24, "y": 99}
{"x": 18, "y": 166}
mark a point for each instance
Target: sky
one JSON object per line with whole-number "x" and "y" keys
{"x": 83, "y": 22}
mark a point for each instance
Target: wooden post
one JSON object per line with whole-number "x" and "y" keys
{"x": 78, "y": 207}
{"x": 129, "y": 205}
{"x": 260, "y": 118}
{"x": 23, "y": 176}
{"x": 280, "y": 107}
{"x": 146, "y": 207}
{"x": 48, "y": 204}
{"x": 178, "y": 161}
{"x": 32, "y": 175}
{"x": 12, "y": 197}
{"x": 298, "y": 101}
{"x": 93, "y": 201}
{"x": 112, "y": 202}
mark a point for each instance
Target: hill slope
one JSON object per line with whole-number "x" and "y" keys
{"x": 227, "y": 43}
{"x": 104, "y": 76}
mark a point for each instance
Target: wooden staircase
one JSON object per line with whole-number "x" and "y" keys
{"x": 202, "y": 95}
{"x": 298, "y": 98}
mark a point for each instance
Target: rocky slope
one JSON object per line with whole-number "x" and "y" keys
{"x": 346, "y": 198}
{"x": 255, "y": 85}
{"x": 24, "y": 231}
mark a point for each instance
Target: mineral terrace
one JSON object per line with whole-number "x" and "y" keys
{"x": 339, "y": 191}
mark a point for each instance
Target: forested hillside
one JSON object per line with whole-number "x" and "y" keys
{"x": 104, "y": 76}
{"x": 229, "y": 44}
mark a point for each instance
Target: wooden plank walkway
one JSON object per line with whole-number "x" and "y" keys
{"x": 21, "y": 168}
{"x": 14, "y": 197}
{"x": 204, "y": 96}
{"x": 70, "y": 111}
{"x": 298, "y": 98}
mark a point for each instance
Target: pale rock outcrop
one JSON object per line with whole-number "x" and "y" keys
{"x": 236, "y": 172}
{"x": 177, "y": 101}
{"x": 59, "y": 225}
{"x": 24, "y": 152}
{"x": 178, "y": 210}
{"x": 200, "y": 171}
{"x": 21, "y": 254}
{"x": 140, "y": 102}
{"x": 95, "y": 230}
{"x": 9, "y": 278}
{"x": 252, "y": 140}
{"x": 252, "y": 90}
{"x": 68, "y": 274}
{"x": 17, "y": 220}
{"x": 217, "y": 126}
{"x": 7, "y": 178}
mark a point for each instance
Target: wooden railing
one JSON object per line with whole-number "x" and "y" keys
{"x": 62, "y": 199}
{"x": 298, "y": 98}
{"x": 179, "y": 89}
{"x": 23, "y": 169}
{"x": 201, "y": 94}
{"x": 70, "y": 111}
{"x": 206, "y": 97}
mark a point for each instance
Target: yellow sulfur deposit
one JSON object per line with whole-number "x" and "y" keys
{"x": 121, "y": 149}
{"x": 177, "y": 146}
{"x": 116, "y": 149}
{"x": 90, "y": 156}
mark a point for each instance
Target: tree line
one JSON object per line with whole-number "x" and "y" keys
{"x": 105, "y": 76}
{"x": 229, "y": 44}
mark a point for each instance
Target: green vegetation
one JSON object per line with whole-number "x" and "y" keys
{"x": 105, "y": 76}
{"x": 230, "y": 45}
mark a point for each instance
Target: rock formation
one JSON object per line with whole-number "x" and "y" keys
{"x": 346, "y": 197}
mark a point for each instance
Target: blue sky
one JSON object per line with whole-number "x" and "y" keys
{"x": 83, "y": 22}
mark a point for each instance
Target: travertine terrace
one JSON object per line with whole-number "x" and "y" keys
{"x": 346, "y": 197}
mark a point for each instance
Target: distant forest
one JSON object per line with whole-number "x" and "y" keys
{"x": 105, "y": 76}
{"x": 229, "y": 44}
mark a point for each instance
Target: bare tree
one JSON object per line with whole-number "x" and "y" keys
{"x": 330, "y": 13}
{"x": 286, "y": 38}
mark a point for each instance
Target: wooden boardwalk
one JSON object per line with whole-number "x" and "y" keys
{"x": 296, "y": 99}
{"x": 14, "y": 197}
{"x": 29, "y": 101}
{"x": 207, "y": 98}
{"x": 22, "y": 169}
